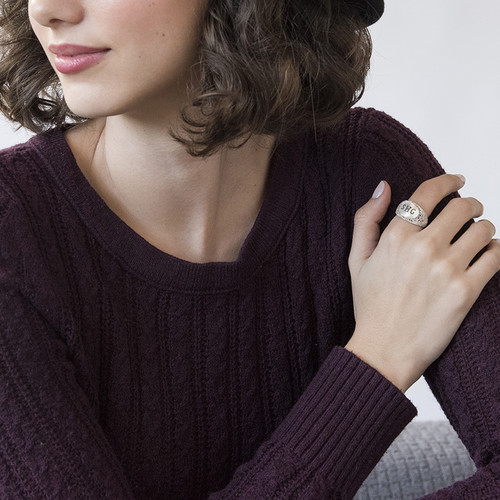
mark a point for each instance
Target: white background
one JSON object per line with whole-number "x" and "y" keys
{"x": 436, "y": 68}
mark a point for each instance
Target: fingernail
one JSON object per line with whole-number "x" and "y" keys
{"x": 461, "y": 177}
{"x": 379, "y": 190}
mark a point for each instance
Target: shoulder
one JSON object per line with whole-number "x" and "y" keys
{"x": 26, "y": 194}
{"x": 368, "y": 146}
{"x": 13, "y": 162}
{"x": 370, "y": 133}
{"x": 26, "y": 180}
{"x": 19, "y": 192}
{"x": 22, "y": 165}
{"x": 15, "y": 165}
{"x": 30, "y": 225}
{"x": 17, "y": 195}
{"x": 365, "y": 147}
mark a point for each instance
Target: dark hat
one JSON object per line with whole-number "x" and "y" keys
{"x": 371, "y": 10}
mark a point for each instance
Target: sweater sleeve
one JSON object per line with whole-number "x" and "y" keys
{"x": 53, "y": 446}
{"x": 466, "y": 378}
{"x": 330, "y": 441}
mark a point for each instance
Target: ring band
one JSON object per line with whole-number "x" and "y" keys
{"x": 413, "y": 213}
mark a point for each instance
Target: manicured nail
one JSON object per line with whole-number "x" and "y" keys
{"x": 461, "y": 177}
{"x": 379, "y": 190}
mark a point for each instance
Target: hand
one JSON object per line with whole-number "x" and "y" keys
{"x": 411, "y": 287}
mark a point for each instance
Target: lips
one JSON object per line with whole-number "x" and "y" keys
{"x": 71, "y": 59}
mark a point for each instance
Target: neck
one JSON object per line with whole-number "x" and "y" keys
{"x": 197, "y": 209}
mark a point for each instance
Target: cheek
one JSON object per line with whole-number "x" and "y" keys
{"x": 163, "y": 40}
{"x": 157, "y": 23}
{"x": 152, "y": 19}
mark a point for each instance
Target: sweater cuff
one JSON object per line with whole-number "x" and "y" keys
{"x": 345, "y": 420}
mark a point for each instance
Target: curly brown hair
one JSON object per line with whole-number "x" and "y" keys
{"x": 271, "y": 67}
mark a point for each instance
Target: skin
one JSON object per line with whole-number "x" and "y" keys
{"x": 201, "y": 210}
{"x": 428, "y": 285}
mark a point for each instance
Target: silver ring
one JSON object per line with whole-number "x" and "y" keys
{"x": 413, "y": 213}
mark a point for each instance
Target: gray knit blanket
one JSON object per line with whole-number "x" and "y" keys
{"x": 424, "y": 458}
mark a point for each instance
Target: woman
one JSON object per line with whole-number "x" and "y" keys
{"x": 198, "y": 295}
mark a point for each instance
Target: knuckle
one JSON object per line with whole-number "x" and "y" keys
{"x": 360, "y": 214}
{"x": 441, "y": 182}
{"x": 468, "y": 206}
{"x": 480, "y": 206}
{"x": 456, "y": 204}
{"x": 461, "y": 292}
{"x": 459, "y": 203}
{"x": 445, "y": 270}
{"x": 477, "y": 207}
{"x": 428, "y": 182}
{"x": 431, "y": 188}
{"x": 485, "y": 229}
{"x": 425, "y": 248}
{"x": 437, "y": 188}
{"x": 394, "y": 236}
{"x": 350, "y": 262}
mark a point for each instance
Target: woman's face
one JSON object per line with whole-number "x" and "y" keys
{"x": 120, "y": 56}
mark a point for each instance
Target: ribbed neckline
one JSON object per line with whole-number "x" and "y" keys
{"x": 284, "y": 185}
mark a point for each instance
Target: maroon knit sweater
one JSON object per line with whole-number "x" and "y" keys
{"x": 127, "y": 373}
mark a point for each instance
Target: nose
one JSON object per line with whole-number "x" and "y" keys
{"x": 50, "y": 13}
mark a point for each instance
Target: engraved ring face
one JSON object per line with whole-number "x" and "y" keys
{"x": 413, "y": 213}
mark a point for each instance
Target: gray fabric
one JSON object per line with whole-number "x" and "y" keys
{"x": 424, "y": 458}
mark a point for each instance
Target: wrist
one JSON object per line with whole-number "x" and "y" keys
{"x": 397, "y": 373}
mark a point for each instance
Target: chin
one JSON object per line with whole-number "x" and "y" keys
{"x": 84, "y": 110}
{"x": 94, "y": 102}
{"x": 89, "y": 101}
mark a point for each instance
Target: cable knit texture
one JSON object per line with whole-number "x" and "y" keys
{"x": 127, "y": 373}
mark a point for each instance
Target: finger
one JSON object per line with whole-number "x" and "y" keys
{"x": 453, "y": 217}
{"x": 477, "y": 237}
{"x": 428, "y": 195}
{"x": 486, "y": 266}
{"x": 366, "y": 232}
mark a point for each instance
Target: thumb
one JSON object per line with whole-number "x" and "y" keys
{"x": 366, "y": 233}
